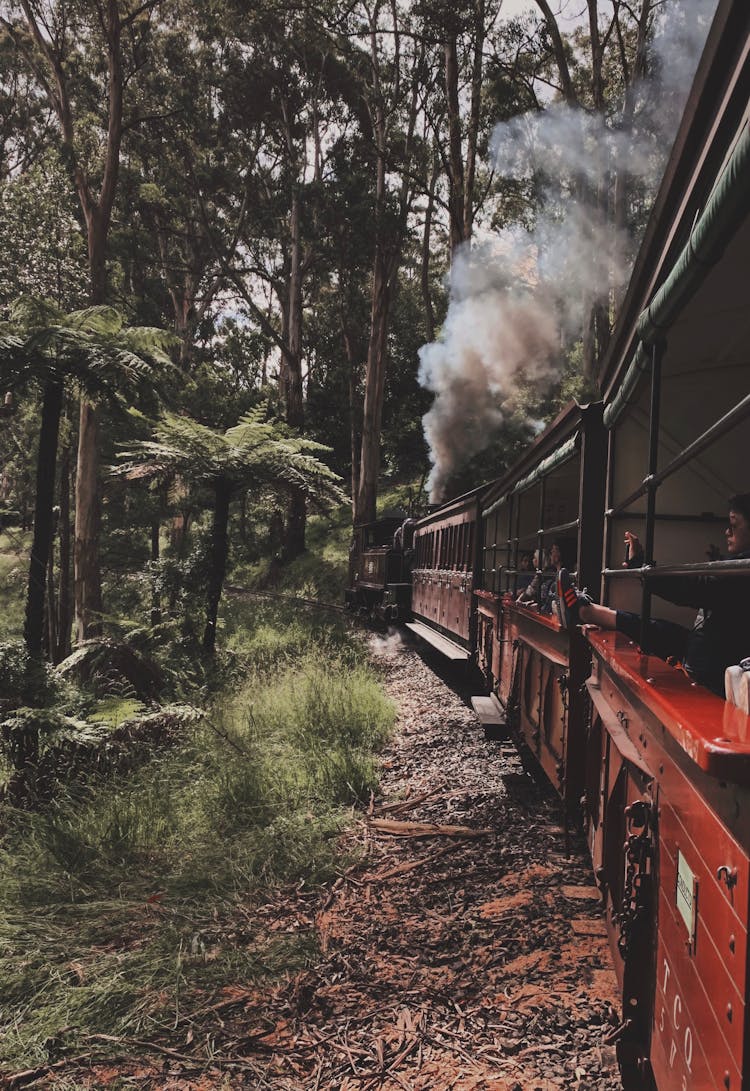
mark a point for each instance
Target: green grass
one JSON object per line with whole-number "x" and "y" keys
{"x": 322, "y": 571}
{"x": 319, "y": 573}
{"x": 128, "y": 904}
{"x": 14, "y": 564}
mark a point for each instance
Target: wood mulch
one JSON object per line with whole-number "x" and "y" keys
{"x": 465, "y": 951}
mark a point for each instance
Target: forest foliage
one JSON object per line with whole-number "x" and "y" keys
{"x": 229, "y": 232}
{"x": 248, "y": 250}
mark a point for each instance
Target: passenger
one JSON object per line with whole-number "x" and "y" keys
{"x": 542, "y": 591}
{"x": 720, "y": 636}
{"x": 526, "y": 568}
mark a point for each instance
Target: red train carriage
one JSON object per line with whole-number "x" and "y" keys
{"x": 446, "y": 564}
{"x": 534, "y": 666}
{"x": 668, "y": 784}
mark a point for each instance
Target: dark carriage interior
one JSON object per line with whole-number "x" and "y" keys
{"x": 532, "y": 519}
{"x": 704, "y": 378}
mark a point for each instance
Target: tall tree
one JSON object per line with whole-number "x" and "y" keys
{"x": 394, "y": 94}
{"x": 82, "y": 57}
{"x": 598, "y": 71}
{"x": 90, "y": 348}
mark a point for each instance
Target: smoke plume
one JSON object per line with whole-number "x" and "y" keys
{"x": 517, "y": 300}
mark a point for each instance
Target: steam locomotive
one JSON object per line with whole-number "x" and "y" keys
{"x": 656, "y": 767}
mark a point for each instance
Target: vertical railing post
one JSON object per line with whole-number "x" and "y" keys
{"x": 509, "y": 542}
{"x": 540, "y": 536}
{"x": 518, "y": 525}
{"x": 657, "y": 353}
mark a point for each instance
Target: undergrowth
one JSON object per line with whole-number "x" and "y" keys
{"x": 127, "y": 903}
{"x": 14, "y": 553}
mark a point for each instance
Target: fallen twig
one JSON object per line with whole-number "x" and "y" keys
{"x": 423, "y": 829}
{"x": 403, "y": 869}
{"x": 405, "y": 804}
{"x": 29, "y": 1076}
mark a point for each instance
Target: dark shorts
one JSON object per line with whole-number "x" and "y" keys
{"x": 663, "y": 638}
{"x": 703, "y": 658}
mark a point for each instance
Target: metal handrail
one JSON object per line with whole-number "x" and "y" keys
{"x": 718, "y": 429}
{"x": 722, "y": 569}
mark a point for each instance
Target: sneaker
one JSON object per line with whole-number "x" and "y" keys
{"x": 570, "y": 599}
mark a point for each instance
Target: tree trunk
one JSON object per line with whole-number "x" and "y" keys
{"x": 217, "y": 561}
{"x": 292, "y": 371}
{"x": 87, "y": 582}
{"x": 64, "y": 592}
{"x": 472, "y": 135}
{"x": 354, "y": 410}
{"x": 372, "y": 416}
{"x": 429, "y": 310}
{"x": 296, "y": 523}
{"x": 455, "y": 157}
{"x": 389, "y": 233}
{"x": 43, "y": 518}
{"x": 50, "y": 643}
{"x": 155, "y": 596}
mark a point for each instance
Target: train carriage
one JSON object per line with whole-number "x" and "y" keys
{"x": 667, "y": 799}
{"x": 656, "y": 766}
{"x": 445, "y": 573}
{"x": 530, "y": 662}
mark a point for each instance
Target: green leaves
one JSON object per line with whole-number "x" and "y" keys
{"x": 256, "y": 453}
{"x": 91, "y": 348}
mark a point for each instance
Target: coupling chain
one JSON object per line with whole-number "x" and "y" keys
{"x": 638, "y": 854}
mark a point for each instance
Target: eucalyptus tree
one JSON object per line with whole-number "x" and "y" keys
{"x": 459, "y": 36}
{"x": 394, "y": 90}
{"x": 253, "y": 456}
{"x": 44, "y": 250}
{"x": 607, "y": 68}
{"x": 289, "y": 75}
{"x": 91, "y": 351}
{"x": 85, "y": 59}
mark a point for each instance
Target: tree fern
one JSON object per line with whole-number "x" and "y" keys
{"x": 255, "y": 455}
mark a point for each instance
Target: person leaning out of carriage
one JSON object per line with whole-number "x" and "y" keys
{"x": 720, "y": 637}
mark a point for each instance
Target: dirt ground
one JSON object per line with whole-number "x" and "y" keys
{"x": 464, "y": 959}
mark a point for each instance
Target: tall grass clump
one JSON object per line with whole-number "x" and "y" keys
{"x": 128, "y": 899}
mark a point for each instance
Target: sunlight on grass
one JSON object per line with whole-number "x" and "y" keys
{"x": 14, "y": 564}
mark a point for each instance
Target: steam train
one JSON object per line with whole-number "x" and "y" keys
{"x": 655, "y": 767}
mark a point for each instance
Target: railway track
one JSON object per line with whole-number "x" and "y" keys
{"x": 292, "y": 600}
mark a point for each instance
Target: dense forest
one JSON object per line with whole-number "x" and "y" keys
{"x": 232, "y": 235}
{"x": 267, "y": 268}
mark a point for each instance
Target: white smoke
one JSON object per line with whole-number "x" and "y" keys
{"x": 386, "y": 646}
{"x": 516, "y": 302}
